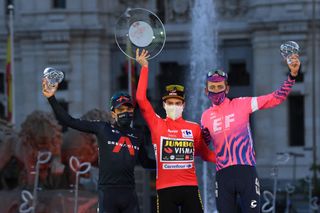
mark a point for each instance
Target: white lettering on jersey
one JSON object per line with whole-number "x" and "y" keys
{"x": 218, "y": 124}
{"x": 172, "y": 131}
{"x": 177, "y": 166}
{"x": 228, "y": 120}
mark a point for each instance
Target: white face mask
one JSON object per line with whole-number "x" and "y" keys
{"x": 173, "y": 111}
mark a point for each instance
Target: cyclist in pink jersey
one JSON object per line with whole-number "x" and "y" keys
{"x": 176, "y": 142}
{"x": 226, "y": 124}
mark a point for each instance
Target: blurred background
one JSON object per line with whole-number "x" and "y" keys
{"x": 77, "y": 37}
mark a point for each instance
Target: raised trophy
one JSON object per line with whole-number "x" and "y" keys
{"x": 140, "y": 28}
{"x": 52, "y": 76}
{"x": 288, "y": 49}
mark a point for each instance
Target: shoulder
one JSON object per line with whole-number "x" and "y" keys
{"x": 241, "y": 100}
{"x": 98, "y": 123}
{"x": 136, "y": 131}
{"x": 135, "y": 134}
{"x": 205, "y": 112}
{"x": 193, "y": 125}
{"x": 206, "y": 115}
{"x": 158, "y": 117}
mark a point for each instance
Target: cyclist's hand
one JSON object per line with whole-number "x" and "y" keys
{"x": 206, "y": 135}
{"x": 142, "y": 59}
{"x": 48, "y": 91}
{"x": 295, "y": 65}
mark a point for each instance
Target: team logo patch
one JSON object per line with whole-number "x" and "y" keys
{"x": 122, "y": 98}
{"x": 257, "y": 185}
{"x": 172, "y": 131}
{"x": 173, "y": 92}
{"x": 187, "y": 133}
{"x": 253, "y": 204}
{"x": 177, "y": 166}
{"x": 124, "y": 142}
{"x": 132, "y": 135}
{"x": 176, "y": 150}
{"x": 115, "y": 131}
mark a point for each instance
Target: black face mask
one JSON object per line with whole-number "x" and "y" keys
{"x": 124, "y": 119}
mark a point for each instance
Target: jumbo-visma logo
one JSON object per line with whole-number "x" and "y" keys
{"x": 176, "y": 150}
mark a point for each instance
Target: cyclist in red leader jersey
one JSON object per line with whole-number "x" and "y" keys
{"x": 176, "y": 142}
{"x": 226, "y": 122}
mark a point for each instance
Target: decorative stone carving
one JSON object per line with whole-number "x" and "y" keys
{"x": 39, "y": 132}
{"x": 296, "y": 27}
{"x": 6, "y": 130}
{"x": 56, "y": 36}
{"x": 132, "y": 3}
{"x": 177, "y": 10}
{"x": 180, "y": 6}
{"x": 232, "y": 8}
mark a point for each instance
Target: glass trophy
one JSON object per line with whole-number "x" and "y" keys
{"x": 140, "y": 28}
{"x": 288, "y": 49}
{"x": 52, "y": 76}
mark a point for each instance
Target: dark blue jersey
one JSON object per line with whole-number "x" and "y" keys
{"x": 119, "y": 148}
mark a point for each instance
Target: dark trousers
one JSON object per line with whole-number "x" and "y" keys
{"x": 187, "y": 198}
{"x": 239, "y": 180}
{"x": 118, "y": 200}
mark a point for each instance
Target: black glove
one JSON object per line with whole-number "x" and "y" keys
{"x": 206, "y": 135}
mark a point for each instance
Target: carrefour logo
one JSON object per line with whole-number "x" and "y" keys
{"x": 177, "y": 166}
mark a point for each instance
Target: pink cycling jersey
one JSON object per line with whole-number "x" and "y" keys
{"x": 229, "y": 127}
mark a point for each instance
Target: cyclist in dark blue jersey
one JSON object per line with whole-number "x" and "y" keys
{"x": 120, "y": 147}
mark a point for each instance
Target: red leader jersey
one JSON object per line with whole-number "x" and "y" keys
{"x": 175, "y": 142}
